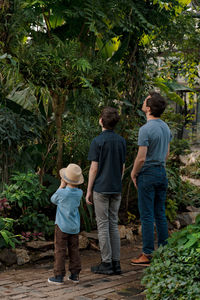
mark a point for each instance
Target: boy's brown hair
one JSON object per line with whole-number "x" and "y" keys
{"x": 156, "y": 103}
{"x": 110, "y": 117}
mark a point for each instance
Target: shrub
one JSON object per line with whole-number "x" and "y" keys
{"x": 179, "y": 147}
{"x": 28, "y": 200}
{"x": 193, "y": 170}
{"x": 7, "y": 237}
{"x": 17, "y": 131}
{"x": 175, "y": 269}
{"x": 180, "y": 194}
{"x": 26, "y": 191}
{"x": 171, "y": 209}
{"x": 86, "y": 215}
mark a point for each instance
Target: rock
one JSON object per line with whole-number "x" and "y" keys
{"x": 94, "y": 246}
{"x": 129, "y": 235}
{"x": 48, "y": 253}
{"x": 90, "y": 235}
{"x": 193, "y": 181}
{"x": 83, "y": 242}
{"x": 22, "y": 256}
{"x": 193, "y": 209}
{"x": 40, "y": 245}
{"x": 187, "y": 218}
{"x": 177, "y": 224}
{"x": 122, "y": 231}
{"x": 35, "y": 256}
{"x": 191, "y": 158}
{"x": 184, "y": 159}
{"x": 8, "y": 257}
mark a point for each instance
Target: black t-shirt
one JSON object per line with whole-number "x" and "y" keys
{"x": 109, "y": 150}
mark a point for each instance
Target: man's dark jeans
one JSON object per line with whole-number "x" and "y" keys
{"x": 61, "y": 242}
{"x": 152, "y": 188}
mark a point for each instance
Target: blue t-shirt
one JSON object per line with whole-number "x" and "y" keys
{"x": 156, "y": 135}
{"x": 67, "y": 213}
{"x": 109, "y": 150}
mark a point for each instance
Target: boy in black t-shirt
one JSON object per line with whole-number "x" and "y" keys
{"x": 107, "y": 155}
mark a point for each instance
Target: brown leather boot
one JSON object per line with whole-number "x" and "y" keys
{"x": 143, "y": 260}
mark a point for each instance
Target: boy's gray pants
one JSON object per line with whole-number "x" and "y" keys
{"x": 106, "y": 211}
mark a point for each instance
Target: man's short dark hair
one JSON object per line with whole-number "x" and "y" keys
{"x": 110, "y": 117}
{"x": 156, "y": 103}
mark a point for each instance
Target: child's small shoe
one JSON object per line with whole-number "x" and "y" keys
{"x": 56, "y": 280}
{"x": 74, "y": 278}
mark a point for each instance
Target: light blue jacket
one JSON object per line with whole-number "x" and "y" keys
{"x": 67, "y": 213}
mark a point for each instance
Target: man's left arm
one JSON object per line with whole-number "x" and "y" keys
{"x": 139, "y": 161}
{"x": 91, "y": 179}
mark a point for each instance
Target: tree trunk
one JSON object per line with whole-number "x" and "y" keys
{"x": 58, "y": 105}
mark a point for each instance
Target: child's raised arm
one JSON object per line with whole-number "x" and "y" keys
{"x": 62, "y": 184}
{"x": 55, "y": 197}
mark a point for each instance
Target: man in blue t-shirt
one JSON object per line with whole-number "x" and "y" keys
{"x": 149, "y": 176}
{"x": 107, "y": 155}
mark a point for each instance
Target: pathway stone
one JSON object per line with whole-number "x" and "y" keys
{"x": 30, "y": 282}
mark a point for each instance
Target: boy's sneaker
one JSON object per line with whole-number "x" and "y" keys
{"x": 103, "y": 268}
{"x": 56, "y": 280}
{"x": 74, "y": 278}
{"x": 116, "y": 267}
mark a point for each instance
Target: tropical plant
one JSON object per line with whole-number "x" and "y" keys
{"x": 188, "y": 237}
{"x": 180, "y": 194}
{"x": 4, "y": 206}
{"x": 192, "y": 170}
{"x": 87, "y": 215}
{"x": 171, "y": 209}
{"x": 177, "y": 198}
{"x": 175, "y": 269}
{"x": 72, "y": 54}
{"x": 17, "y": 131}
{"x": 7, "y": 237}
{"x": 35, "y": 222}
{"x": 28, "y": 236}
{"x": 28, "y": 200}
{"x": 26, "y": 192}
{"x": 68, "y": 60}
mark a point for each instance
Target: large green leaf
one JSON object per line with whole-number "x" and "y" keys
{"x": 172, "y": 95}
{"x": 175, "y": 86}
{"x": 5, "y": 236}
{"x": 24, "y": 98}
{"x": 109, "y": 48}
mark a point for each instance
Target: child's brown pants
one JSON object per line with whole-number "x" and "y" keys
{"x": 62, "y": 241}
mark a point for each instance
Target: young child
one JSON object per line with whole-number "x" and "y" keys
{"x": 67, "y": 224}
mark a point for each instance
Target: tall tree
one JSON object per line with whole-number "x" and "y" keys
{"x": 65, "y": 47}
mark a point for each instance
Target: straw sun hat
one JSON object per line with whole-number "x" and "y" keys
{"x": 72, "y": 174}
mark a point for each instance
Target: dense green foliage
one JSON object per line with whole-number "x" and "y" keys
{"x": 28, "y": 201}
{"x": 7, "y": 236}
{"x": 174, "y": 272}
{"x": 16, "y": 131}
{"x": 192, "y": 170}
{"x": 180, "y": 194}
{"x": 60, "y": 63}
